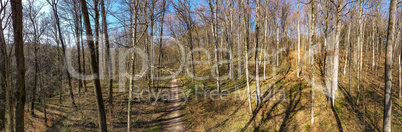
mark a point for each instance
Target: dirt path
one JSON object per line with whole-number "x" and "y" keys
{"x": 174, "y": 120}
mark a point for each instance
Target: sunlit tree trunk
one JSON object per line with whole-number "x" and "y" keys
{"x": 257, "y": 76}
{"x": 311, "y": 50}
{"x": 132, "y": 67}
{"x": 215, "y": 38}
{"x": 388, "y": 67}
{"x": 245, "y": 29}
{"x": 298, "y": 37}
{"x": 336, "y": 56}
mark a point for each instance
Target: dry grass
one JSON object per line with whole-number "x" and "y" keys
{"x": 64, "y": 117}
{"x": 293, "y": 113}
{"x": 289, "y": 114}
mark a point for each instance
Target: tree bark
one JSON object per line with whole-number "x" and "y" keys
{"x": 388, "y": 67}
{"x": 311, "y": 49}
{"x": 16, "y": 8}
{"x": 257, "y": 76}
{"x": 336, "y": 48}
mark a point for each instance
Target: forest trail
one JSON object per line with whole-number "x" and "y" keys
{"x": 174, "y": 120}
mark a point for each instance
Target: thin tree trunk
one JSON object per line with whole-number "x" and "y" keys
{"x": 245, "y": 29}
{"x": 152, "y": 43}
{"x": 44, "y": 97}
{"x": 109, "y": 57}
{"x": 399, "y": 75}
{"x": 96, "y": 21}
{"x": 311, "y": 49}
{"x": 36, "y": 78}
{"x": 59, "y": 66}
{"x": 54, "y": 7}
{"x": 77, "y": 39}
{"x": 3, "y": 78}
{"x": 388, "y": 67}
{"x": 348, "y": 47}
{"x": 257, "y": 76}
{"x": 83, "y": 54}
{"x": 160, "y": 40}
{"x": 373, "y": 40}
{"x": 95, "y": 68}
{"x": 266, "y": 44}
{"x": 346, "y": 59}
{"x": 132, "y": 68}
{"x": 298, "y": 37}
{"x": 359, "y": 48}
{"x": 215, "y": 36}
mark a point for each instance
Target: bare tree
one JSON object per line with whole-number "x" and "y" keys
{"x": 77, "y": 21}
{"x": 108, "y": 56}
{"x": 3, "y": 60}
{"x": 53, "y": 3}
{"x": 95, "y": 67}
{"x": 33, "y": 14}
{"x": 132, "y": 67}
{"x": 246, "y": 31}
{"x": 213, "y": 5}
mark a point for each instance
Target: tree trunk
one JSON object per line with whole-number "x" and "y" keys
{"x": 59, "y": 69}
{"x": 348, "y": 48}
{"x": 132, "y": 68}
{"x": 109, "y": 57}
{"x": 3, "y": 79}
{"x": 257, "y": 76}
{"x": 336, "y": 48}
{"x": 83, "y": 54}
{"x": 95, "y": 68}
{"x": 16, "y": 7}
{"x": 359, "y": 48}
{"x": 44, "y": 97}
{"x": 54, "y": 7}
{"x": 388, "y": 67}
{"x": 160, "y": 40}
{"x": 298, "y": 38}
{"x": 215, "y": 37}
{"x": 152, "y": 43}
{"x": 245, "y": 29}
{"x": 96, "y": 21}
{"x": 77, "y": 40}
{"x": 311, "y": 49}
{"x": 399, "y": 75}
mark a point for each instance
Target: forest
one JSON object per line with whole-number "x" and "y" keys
{"x": 200, "y": 65}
